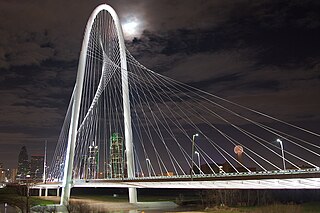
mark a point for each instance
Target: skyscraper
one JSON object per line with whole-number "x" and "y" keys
{"x": 36, "y": 166}
{"x": 23, "y": 164}
{"x": 11, "y": 175}
{"x": 93, "y": 158}
{"x": 2, "y": 173}
{"x": 116, "y": 156}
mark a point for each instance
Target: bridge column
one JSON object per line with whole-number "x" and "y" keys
{"x": 40, "y": 192}
{"x": 72, "y": 136}
{"x": 133, "y": 195}
{"x": 126, "y": 108}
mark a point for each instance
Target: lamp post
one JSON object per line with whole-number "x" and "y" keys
{"x": 36, "y": 175}
{"x": 148, "y": 166}
{"x": 282, "y": 152}
{"x": 198, "y": 154}
{"x": 192, "y": 152}
{"x": 5, "y": 207}
{"x": 124, "y": 160}
{"x": 105, "y": 169}
{"x": 27, "y": 195}
{"x": 44, "y": 162}
{"x": 110, "y": 170}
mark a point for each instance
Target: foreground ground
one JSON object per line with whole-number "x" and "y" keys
{"x": 156, "y": 204}
{"x": 148, "y": 204}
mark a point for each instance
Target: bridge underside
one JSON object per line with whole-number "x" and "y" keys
{"x": 298, "y": 183}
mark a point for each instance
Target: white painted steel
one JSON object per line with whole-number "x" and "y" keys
{"x": 67, "y": 180}
{"x": 288, "y": 183}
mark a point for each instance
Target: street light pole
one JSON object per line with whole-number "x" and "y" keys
{"x": 282, "y": 152}
{"x": 27, "y": 195}
{"x": 45, "y": 162}
{"x": 110, "y": 170}
{"x": 148, "y": 166}
{"x": 198, "y": 154}
{"x": 192, "y": 152}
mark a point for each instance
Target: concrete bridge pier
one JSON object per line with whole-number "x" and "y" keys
{"x": 46, "y": 191}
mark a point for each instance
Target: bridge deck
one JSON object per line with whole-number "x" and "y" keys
{"x": 290, "y": 179}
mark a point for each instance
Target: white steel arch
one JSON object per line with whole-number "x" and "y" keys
{"x": 67, "y": 179}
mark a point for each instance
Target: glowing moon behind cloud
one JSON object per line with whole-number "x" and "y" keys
{"x": 131, "y": 27}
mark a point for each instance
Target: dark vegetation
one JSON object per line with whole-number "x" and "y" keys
{"x": 246, "y": 200}
{"x": 255, "y": 201}
{"x": 256, "y": 197}
{"x": 16, "y": 196}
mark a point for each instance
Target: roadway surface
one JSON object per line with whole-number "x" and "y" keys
{"x": 289, "y": 179}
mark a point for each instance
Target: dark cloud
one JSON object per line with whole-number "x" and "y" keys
{"x": 254, "y": 50}
{"x": 262, "y": 54}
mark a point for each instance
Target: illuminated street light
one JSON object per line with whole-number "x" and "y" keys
{"x": 198, "y": 154}
{"x": 44, "y": 163}
{"x": 124, "y": 160}
{"x": 281, "y": 146}
{"x": 192, "y": 152}
{"x": 28, "y": 192}
{"x": 110, "y": 169}
{"x": 148, "y": 166}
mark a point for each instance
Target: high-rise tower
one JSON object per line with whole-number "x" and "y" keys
{"x": 116, "y": 156}
{"x": 36, "y": 167}
{"x": 23, "y": 164}
{"x": 93, "y": 161}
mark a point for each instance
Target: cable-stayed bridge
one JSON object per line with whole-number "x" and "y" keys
{"x": 127, "y": 126}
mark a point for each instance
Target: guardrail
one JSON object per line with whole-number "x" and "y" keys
{"x": 216, "y": 175}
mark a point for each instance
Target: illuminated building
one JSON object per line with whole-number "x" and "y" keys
{"x": 11, "y": 175}
{"x": 2, "y": 173}
{"x": 36, "y": 167}
{"x": 23, "y": 164}
{"x": 116, "y": 156}
{"x": 93, "y": 163}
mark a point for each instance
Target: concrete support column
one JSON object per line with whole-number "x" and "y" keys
{"x": 58, "y": 192}
{"x": 40, "y": 192}
{"x": 133, "y": 198}
{"x": 46, "y": 192}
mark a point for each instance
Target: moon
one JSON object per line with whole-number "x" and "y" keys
{"x": 130, "y": 28}
{"x": 238, "y": 149}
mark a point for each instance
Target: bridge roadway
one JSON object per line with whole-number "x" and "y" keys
{"x": 289, "y": 179}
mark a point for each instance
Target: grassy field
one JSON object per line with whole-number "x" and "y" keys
{"x": 275, "y": 208}
{"x": 12, "y": 198}
{"x": 124, "y": 198}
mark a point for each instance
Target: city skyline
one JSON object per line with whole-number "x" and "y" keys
{"x": 263, "y": 55}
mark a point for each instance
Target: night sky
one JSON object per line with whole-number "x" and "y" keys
{"x": 261, "y": 54}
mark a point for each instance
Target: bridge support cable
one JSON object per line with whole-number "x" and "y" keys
{"x": 271, "y": 143}
{"x": 131, "y": 123}
{"x": 89, "y": 66}
{"x": 165, "y": 119}
{"x": 55, "y": 170}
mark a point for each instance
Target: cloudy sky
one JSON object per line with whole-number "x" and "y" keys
{"x": 262, "y": 54}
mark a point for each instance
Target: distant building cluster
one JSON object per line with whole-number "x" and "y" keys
{"x": 32, "y": 168}
{"x": 116, "y": 166}
{"x": 7, "y": 175}
{"x": 27, "y": 169}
